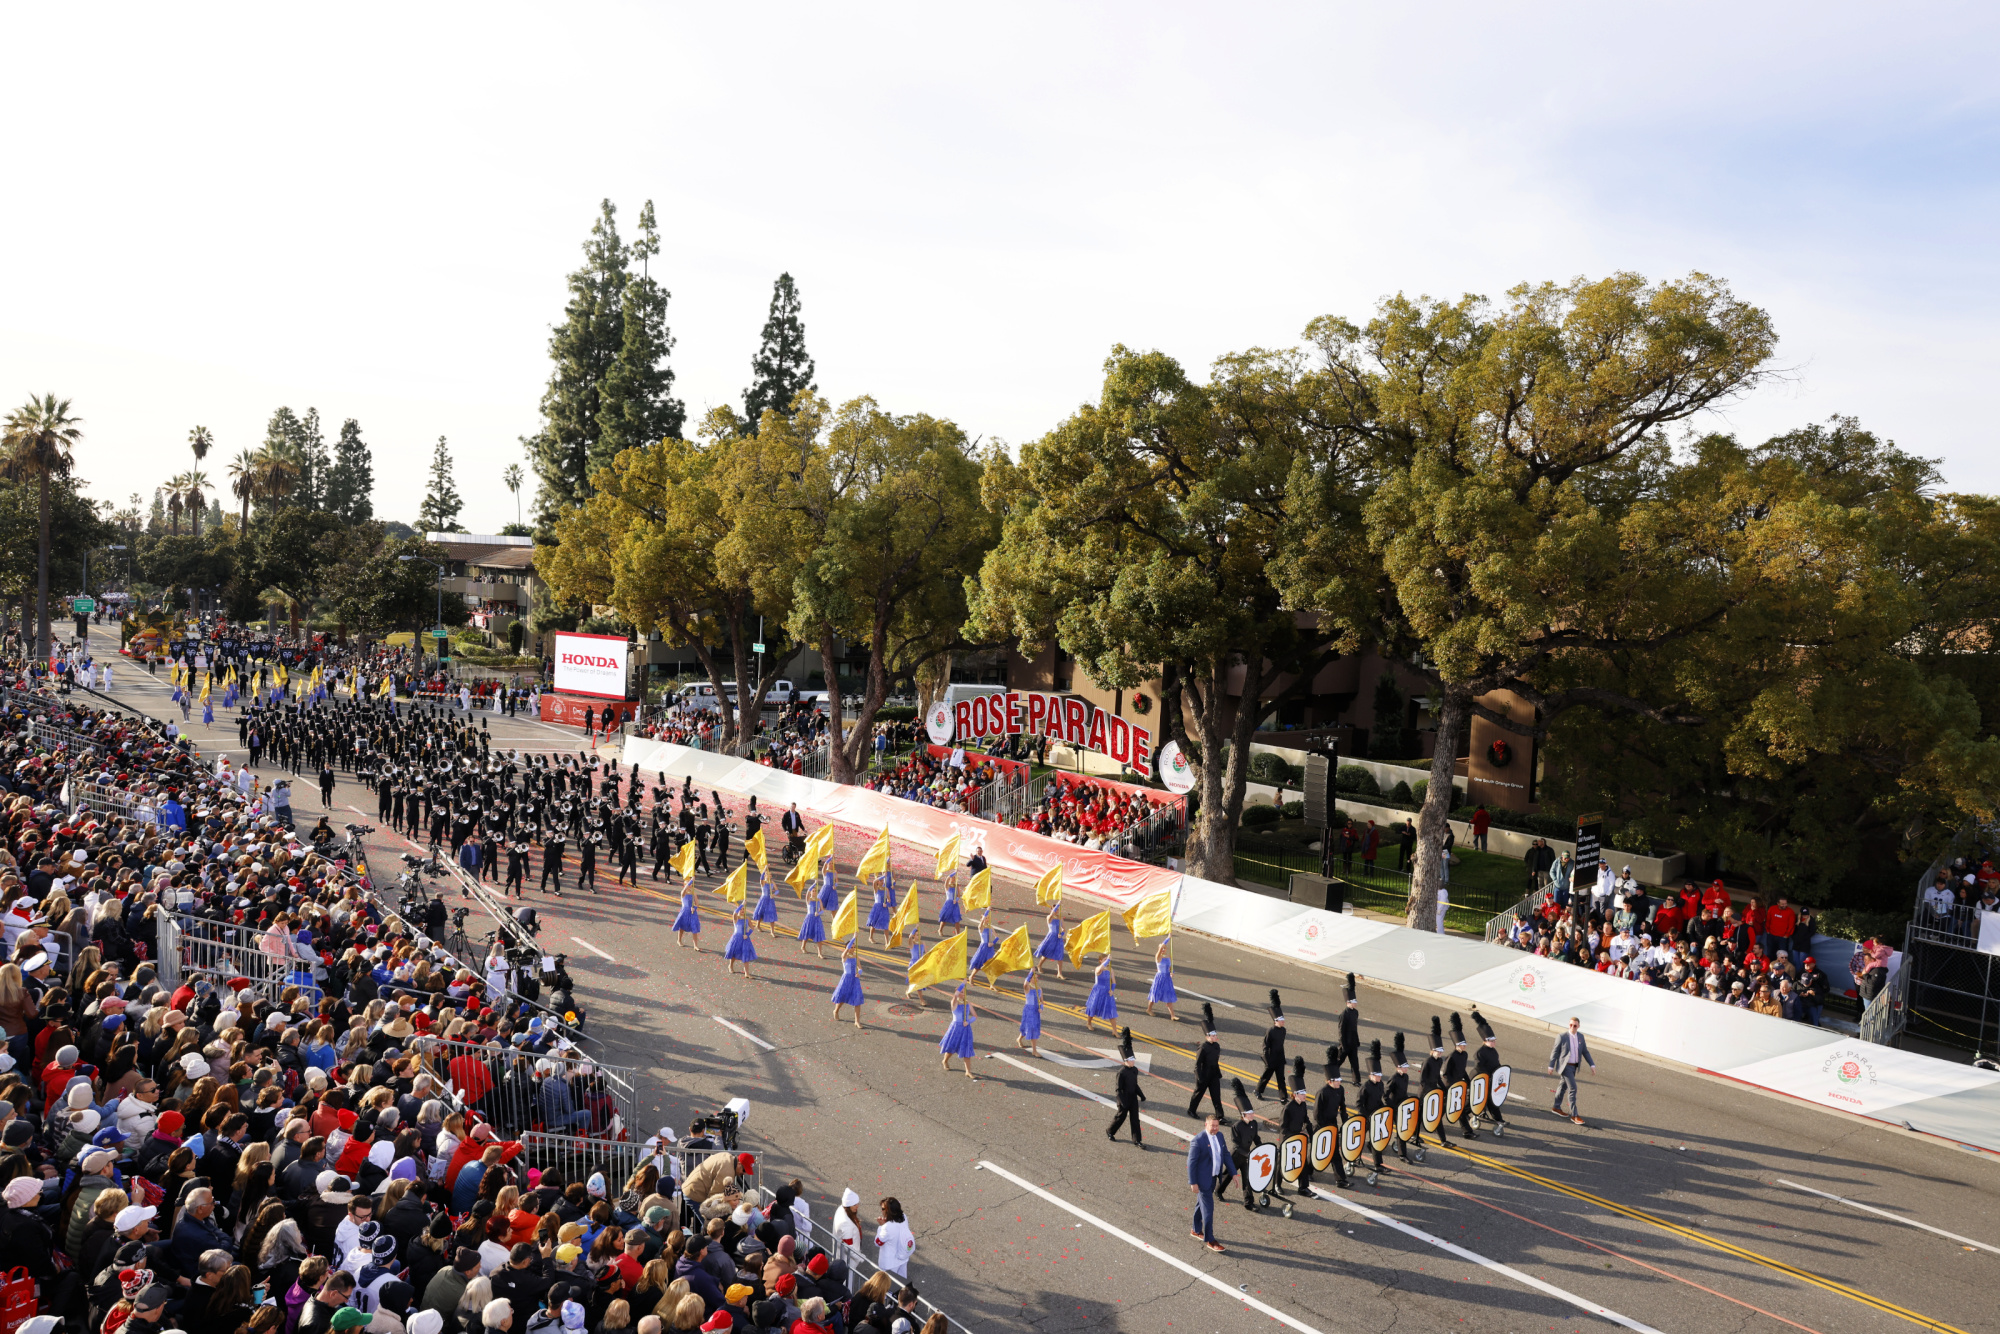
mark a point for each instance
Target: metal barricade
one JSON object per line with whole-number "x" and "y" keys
{"x": 191, "y": 948}
{"x": 1886, "y": 1016}
{"x": 1500, "y": 923}
{"x": 509, "y": 1091}
{"x": 862, "y": 1267}
{"x": 53, "y": 734}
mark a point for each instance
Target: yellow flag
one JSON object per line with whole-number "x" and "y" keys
{"x": 820, "y": 842}
{"x": 1049, "y": 887}
{"x": 1015, "y": 953}
{"x": 846, "y": 918}
{"x": 979, "y": 892}
{"x": 282, "y": 676}
{"x": 683, "y": 862}
{"x": 753, "y": 848}
{"x": 1151, "y": 916}
{"x": 206, "y": 682}
{"x": 804, "y": 873}
{"x": 909, "y": 915}
{"x": 876, "y": 860}
{"x": 942, "y": 962}
{"x": 737, "y": 883}
{"x": 388, "y": 685}
{"x": 1090, "y": 936}
{"x": 947, "y": 858}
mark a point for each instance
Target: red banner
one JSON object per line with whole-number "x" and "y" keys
{"x": 571, "y": 708}
{"x": 1015, "y": 852}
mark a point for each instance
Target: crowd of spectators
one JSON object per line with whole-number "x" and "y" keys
{"x": 931, "y": 781}
{"x": 1119, "y": 820}
{"x": 1699, "y": 943}
{"x": 290, "y": 1153}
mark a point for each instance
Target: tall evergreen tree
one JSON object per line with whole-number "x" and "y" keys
{"x": 781, "y": 370}
{"x": 636, "y": 402}
{"x": 350, "y": 480}
{"x": 441, "y": 501}
{"x": 584, "y": 347}
{"x": 314, "y": 462}
{"x": 281, "y": 433}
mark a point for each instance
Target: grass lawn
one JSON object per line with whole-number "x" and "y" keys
{"x": 1482, "y": 883}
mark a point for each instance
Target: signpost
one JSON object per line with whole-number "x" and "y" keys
{"x": 84, "y": 606}
{"x": 1583, "y": 876}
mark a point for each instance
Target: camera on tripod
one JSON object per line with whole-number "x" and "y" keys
{"x": 724, "y": 1123}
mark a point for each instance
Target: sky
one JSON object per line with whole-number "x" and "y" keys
{"x": 213, "y": 211}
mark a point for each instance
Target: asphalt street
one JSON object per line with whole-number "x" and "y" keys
{"x": 1685, "y": 1203}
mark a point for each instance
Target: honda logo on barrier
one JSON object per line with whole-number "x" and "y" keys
{"x": 582, "y": 660}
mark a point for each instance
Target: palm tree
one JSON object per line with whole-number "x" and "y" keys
{"x": 174, "y": 507}
{"x": 277, "y": 473}
{"x": 193, "y": 487}
{"x": 200, "y": 441}
{"x": 243, "y": 481}
{"x": 36, "y": 443}
{"x": 513, "y": 478}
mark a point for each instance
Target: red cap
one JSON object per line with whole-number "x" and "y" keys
{"x": 240, "y": 984}
{"x": 347, "y": 1117}
{"x": 817, "y": 1266}
{"x": 786, "y": 1285}
{"x": 746, "y": 1164}
{"x": 171, "y": 1122}
{"x": 720, "y": 1320}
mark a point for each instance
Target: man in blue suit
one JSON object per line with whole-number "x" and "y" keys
{"x": 1209, "y": 1168}
{"x": 1570, "y": 1051}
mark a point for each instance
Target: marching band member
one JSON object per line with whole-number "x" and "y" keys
{"x": 957, "y": 1040}
{"x": 1374, "y": 1097}
{"x": 1350, "y": 1032}
{"x": 983, "y": 952}
{"x": 1455, "y": 1073}
{"x": 1484, "y": 1062}
{"x": 1432, "y": 1076}
{"x": 767, "y": 908}
{"x": 1274, "y": 1049}
{"x": 1130, "y": 1095}
{"x": 1243, "y": 1138}
{"x": 951, "y": 914}
{"x": 1103, "y": 1001}
{"x": 1052, "y": 947}
{"x": 1399, "y": 1090}
{"x": 812, "y": 931}
{"x": 1163, "y": 992}
{"x": 1031, "y": 1011}
{"x": 688, "y": 923}
{"x": 1208, "y": 1067}
{"x": 1298, "y": 1120}
{"x": 1331, "y": 1110}
{"x": 740, "y": 946}
{"x": 879, "y": 911}
{"x": 848, "y": 990}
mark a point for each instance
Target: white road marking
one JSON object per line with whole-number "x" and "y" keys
{"x": 1110, "y": 1060}
{"x": 1198, "y": 996}
{"x": 739, "y": 1032}
{"x": 1152, "y": 1250}
{"x": 1094, "y": 1097}
{"x": 1894, "y": 1218}
{"x": 593, "y": 949}
{"x": 1475, "y": 1257}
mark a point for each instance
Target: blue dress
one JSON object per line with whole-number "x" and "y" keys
{"x": 1052, "y": 946}
{"x": 740, "y": 945}
{"x": 1163, "y": 982}
{"x": 767, "y": 907}
{"x": 1031, "y": 1014}
{"x": 848, "y": 990}
{"x": 988, "y": 947}
{"x": 949, "y": 915}
{"x": 916, "y": 949}
{"x": 1102, "y": 1004}
{"x": 879, "y": 913}
{"x": 814, "y": 927}
{"x": 829, "y": 893}
{"x": 690, "y": 918}
{"x": 957, "y": 1040}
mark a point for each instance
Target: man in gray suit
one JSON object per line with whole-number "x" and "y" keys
{"x": 1571, "y": 1050}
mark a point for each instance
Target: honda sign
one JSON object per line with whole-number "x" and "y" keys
{"x": 591, "y": 665}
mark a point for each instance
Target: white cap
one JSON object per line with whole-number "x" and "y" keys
{"x": 848, "y": 1199}
{"x": 132, "y": 1215}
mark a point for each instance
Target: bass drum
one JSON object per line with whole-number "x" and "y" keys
{"x": 1501, "y": 1079}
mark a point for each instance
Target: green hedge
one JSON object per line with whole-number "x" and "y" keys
{"x": 1353, "y": 778}
{"x": 1254, "y": 816}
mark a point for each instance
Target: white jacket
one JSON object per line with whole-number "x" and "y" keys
{"x": 136, "y": 1118}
